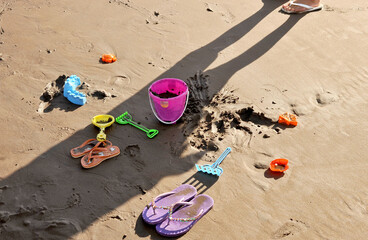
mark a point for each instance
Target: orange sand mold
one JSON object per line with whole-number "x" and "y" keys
{"x": 279, "y": 165}
{"x": 108, "y": 58}
{"x": 288, "y": 119}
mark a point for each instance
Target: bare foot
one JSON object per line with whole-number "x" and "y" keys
{"x": 297, "y": 9}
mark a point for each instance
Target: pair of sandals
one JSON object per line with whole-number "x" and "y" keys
{"x": 94, "y": 152}
{"x": 306, "y": 7}
{"x": 175, "y": 213}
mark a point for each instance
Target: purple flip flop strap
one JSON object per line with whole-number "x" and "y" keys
{"x": 158, "y": 210}
{"x": 154, "y": 206}
{"x": 183, "y": 219}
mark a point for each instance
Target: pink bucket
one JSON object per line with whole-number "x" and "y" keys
{"x": 168, "y": 110}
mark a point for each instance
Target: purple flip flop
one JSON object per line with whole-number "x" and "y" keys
{"x": 158, "y": 210}
{"x": 184, "y": 219}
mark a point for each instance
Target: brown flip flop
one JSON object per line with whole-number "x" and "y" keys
{"x": 98, "y": 155}
{"x": 87, "y": 146}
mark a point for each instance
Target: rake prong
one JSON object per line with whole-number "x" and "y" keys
{"x": 198, "y": 167}
{"x": 126, "y": 116}
{"x": 219, "y": 171}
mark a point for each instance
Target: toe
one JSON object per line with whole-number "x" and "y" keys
{"x": 287, "y": 7}
{"x": 290, "y": 8}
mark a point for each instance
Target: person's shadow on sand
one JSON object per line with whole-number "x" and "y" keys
{"x": 48, "y": 204}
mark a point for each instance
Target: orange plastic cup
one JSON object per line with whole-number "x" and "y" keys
{"x": 288, "y": 119}
{"x": 279, "y": 165}
{"x": 108, "y": 58}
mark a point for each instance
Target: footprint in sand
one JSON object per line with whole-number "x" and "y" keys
{"x": 133, "y": 151}
{"x": 52, "y": 227}
{"x": 302, "y": 108}
{"x": 290, "y": 228}
{"x": 261, "y": 165}
{"x": 126, "y": 3}
{"x": 306, "y": 107}
{"x": 74, "y": 200}
{"x": 4, "y": 216}
{"x": 119, "y": 80}
{"x": 329, "y": 8}
{"x": 122, "y": 84}
{"x": 326, "y": 97}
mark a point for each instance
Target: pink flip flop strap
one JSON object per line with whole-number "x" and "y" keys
{"x": 98, "y": 151}
{"x": 105, "y": 143}
{"x": 183, "y": 219}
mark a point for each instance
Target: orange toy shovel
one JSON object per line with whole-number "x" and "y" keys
{"x": 279, "y": 165}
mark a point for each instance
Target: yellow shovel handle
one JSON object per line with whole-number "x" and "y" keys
{"x": 101, "y": 136}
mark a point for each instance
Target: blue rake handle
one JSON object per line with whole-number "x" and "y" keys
{"x": 214, "y": 168}
{"x": 221, "y": 158}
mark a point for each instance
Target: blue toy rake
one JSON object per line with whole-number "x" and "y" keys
{"x": 214, "y": 169}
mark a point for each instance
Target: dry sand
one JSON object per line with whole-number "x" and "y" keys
{"x": 252, "y": 63}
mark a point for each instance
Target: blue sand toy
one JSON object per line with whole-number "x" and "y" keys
{"x": 214, "y": 169}
{"x": 71, "y": 94}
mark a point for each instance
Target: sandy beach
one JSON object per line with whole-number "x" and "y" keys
{"x": 245, "y": 63}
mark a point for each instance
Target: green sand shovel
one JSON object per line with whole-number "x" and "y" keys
{"x": 126, "y": 118}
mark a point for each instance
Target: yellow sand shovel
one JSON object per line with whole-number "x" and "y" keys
{"x": 102, "y": 122}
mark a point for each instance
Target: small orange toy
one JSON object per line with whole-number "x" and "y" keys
{"x": 279, "y": 165}
{"x": 108, "y": 58}
{"x": 288, "y": 119}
